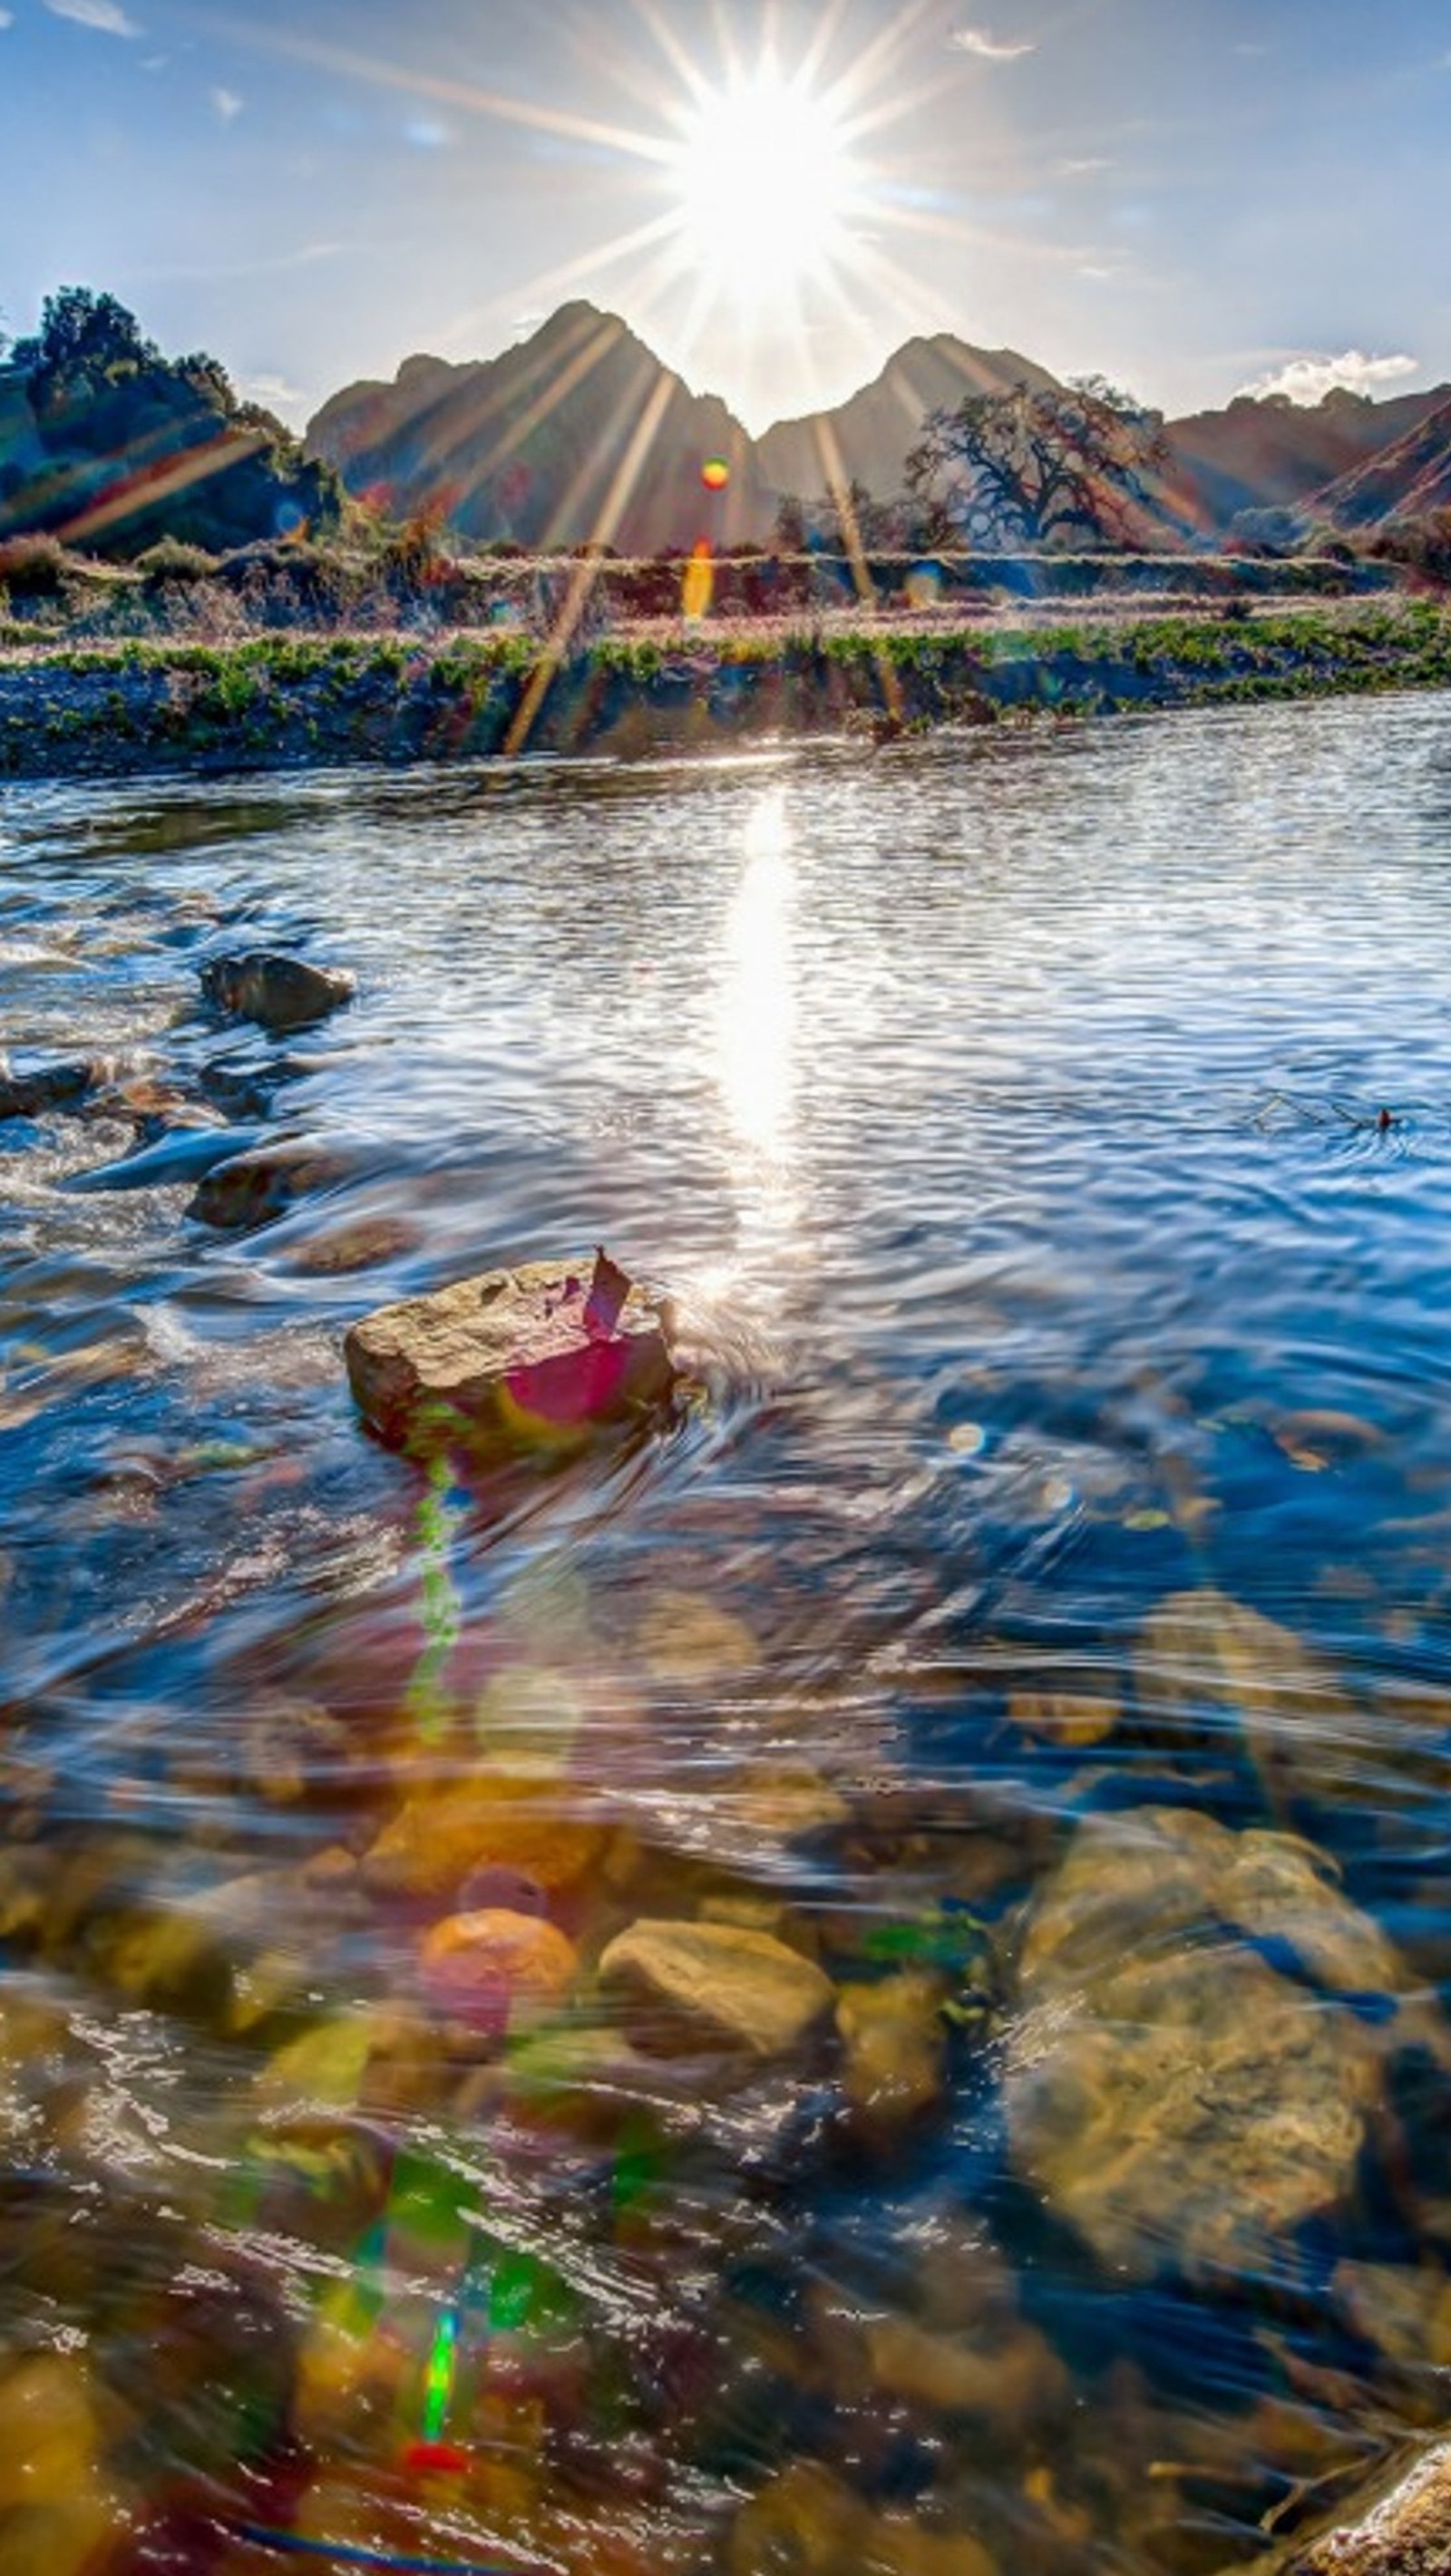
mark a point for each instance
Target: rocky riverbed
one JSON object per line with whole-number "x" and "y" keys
{"x": 849, "y": 1970}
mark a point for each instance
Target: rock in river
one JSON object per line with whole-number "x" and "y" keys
{"x": 709, "y": 1985}
{"x": 250, "y": 1187}
{"x": 1400, "y": 2526}
{"x": 277, "y": 991}
{"x": 42, "y": 1087}
{"x": 542, "y": 1354}
{"x": 1199, "y": 2045}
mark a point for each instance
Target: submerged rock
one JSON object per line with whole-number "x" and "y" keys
{"x": 538, "y": 1355}
{"x": 1208, "y": 1661}
{"x": 489, "y": 1966}
{"x": 444, "y": 1837}
{"x": 714, "y": 1985}
{"x": 893, "y": 2051}
{"x": 806, "y": 2522}
{"x": 277, "y": 991}
{"x": 1172, "y": 2085}
{"x": 248, "y": 1188}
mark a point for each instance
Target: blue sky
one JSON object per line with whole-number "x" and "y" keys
{"x": 1189, "y": 197}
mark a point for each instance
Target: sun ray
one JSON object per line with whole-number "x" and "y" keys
{"x": 870, "y": 66}
{"x": 557, "y": 377}
{"x": 686, "y": 70}
{"x": 586, "y": 574}
{"x": 414, "y": 82}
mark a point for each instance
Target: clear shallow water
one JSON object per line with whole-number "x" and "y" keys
{"x": 1008, "y": 1119}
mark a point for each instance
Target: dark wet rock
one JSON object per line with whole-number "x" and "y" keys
{"x": 43, "y": 1087}
{"x": 715, "y": 1986}
{"x": 277, "y": 991}
{"x": 249, "y": 1188}
{"x": 1200, "y": 2042}
{"x": 513, "y": 1358}
{"x": 185, "y": 1155}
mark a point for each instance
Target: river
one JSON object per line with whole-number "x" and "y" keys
{"x": 1035, "y": 1619}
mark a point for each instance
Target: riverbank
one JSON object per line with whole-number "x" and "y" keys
{"x": 287, "y": 700}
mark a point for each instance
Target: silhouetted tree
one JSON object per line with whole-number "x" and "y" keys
{"x": 1038, "y": 464}
{"x": 138, "y": 447}
{"x": 788, "y": 536}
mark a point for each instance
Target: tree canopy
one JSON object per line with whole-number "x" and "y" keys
{"x": 1038, "y": 465}
{"x": 116, "y": 445}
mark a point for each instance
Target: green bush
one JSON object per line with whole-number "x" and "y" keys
{"x": 170, "y": 559}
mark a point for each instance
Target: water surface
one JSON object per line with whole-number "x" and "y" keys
{"x": 1048, "y": 1140}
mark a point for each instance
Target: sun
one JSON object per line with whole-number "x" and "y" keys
{"x": 765, "y": 186}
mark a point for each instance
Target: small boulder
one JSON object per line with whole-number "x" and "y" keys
{"x": 539, "y": 1356}
{"x": 491, "y": 1967}
{"x": 444, "y": 1837}
{"x": 251, "y": 1188}
{"x": 43, "y": 1087}
{"x": 715, "y": 1986}
{"x": 893, "y": 2051}
{"x": 280, "y": 993}
{"x": 1200, "y": 2042}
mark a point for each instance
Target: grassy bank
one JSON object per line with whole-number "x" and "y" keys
{"x": 278, "y": 700}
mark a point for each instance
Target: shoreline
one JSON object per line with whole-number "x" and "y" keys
{"x": 288, "y": 701}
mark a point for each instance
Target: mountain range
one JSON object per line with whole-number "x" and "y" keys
{"x": 581, "y": 431}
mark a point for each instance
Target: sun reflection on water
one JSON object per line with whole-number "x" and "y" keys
{"x": 757, "y": 1013}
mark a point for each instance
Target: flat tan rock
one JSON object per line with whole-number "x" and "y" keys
{"x": 1177, "y": 2097}
{"x": 717, "y": 1985}
{"x": 518, "y": 1358}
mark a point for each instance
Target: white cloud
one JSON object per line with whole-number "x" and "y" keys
{"x": 274, "y": 393}
{"x": 1308, "y": 378}
{"x": 990, "y": 48}
{"x": 7, "y": 19}
{"x": 226, "y": 103}
{"x": 1084, "y": 169}
{"x": 106, "y": 16}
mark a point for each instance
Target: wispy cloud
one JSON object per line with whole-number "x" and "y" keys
{"x": 274, "y": 393}
{"x": 1084, "y": 169}
{"x": 1309, "y": 378}
{"x": 990, "y": 48}
{"x": 226, "y": 103}
{"x": 107, "y": 17}
{"x": 7, "y": 19}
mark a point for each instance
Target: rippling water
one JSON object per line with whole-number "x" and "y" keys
{"x": 1036, "y": 1619}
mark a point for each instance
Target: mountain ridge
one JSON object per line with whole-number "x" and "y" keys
{"x": 581, "y": 432}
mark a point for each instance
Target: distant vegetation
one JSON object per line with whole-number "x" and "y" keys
{"x": 141, "y": 497}
{"x": 111, "y": 447}
{"x": 1046, "y": 465}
